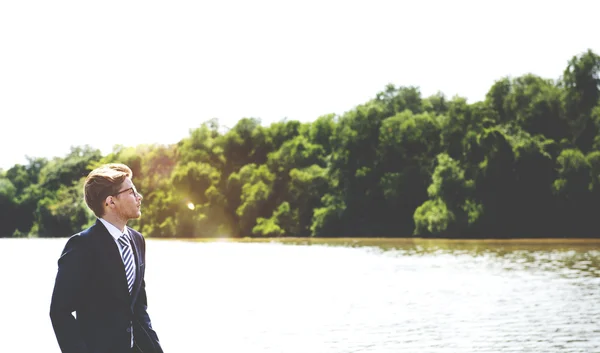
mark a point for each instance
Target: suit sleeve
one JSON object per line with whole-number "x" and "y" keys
{"x": 67, "y": 294}
{"x": 141, "y": 310}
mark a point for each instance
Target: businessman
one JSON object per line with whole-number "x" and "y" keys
{"x": 101, "y": 274}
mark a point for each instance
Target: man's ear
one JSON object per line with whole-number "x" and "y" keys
{"x": 108, "y": 201}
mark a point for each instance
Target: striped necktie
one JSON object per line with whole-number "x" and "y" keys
{"x": 127, "y": 260}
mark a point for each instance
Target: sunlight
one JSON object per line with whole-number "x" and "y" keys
{"x": 191, "y": 206}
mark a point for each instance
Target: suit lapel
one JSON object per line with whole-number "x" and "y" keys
{"x": 138, "y": 261}
{"x": 112, "y": 261}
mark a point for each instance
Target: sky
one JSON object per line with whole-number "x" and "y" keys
{"x": 108, "y": 73}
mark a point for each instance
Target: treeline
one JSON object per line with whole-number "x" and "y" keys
{"x": 525, "y": 162}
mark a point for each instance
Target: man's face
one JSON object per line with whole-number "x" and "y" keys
{"x": 128, "y": 201}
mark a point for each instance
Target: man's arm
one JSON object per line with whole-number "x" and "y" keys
{"x": 142, "y": 317}
{"x": 141, "y": 310}
{"x": 67, "y": 294}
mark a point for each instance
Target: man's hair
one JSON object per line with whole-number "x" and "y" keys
{"x": 103, "y": 182}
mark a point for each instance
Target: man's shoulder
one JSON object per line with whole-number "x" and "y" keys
{"x": 88, "y": 232}
{"x": 79, "y": 243}
{"x": 85, "y": 236}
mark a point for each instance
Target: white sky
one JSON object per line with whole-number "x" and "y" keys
{"x": 132, "y": 72}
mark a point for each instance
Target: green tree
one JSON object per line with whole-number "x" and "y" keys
{"x": 255, "y": 198}
{"x": 407, "y": 145}
{"x": 449, "y": 211}
{"x": 581, "y": 82}
{"x": 8, "y": 193}
{"x": 572, "y": 188}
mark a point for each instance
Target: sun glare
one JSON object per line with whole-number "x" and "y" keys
{"x": 191, "y": 206}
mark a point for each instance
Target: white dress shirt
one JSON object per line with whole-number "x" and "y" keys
{"x": 116, "y": 234}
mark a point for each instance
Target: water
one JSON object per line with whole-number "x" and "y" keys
{"x": 337, "y": 296}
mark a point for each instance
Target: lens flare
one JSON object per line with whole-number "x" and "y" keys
{"x": 191, "y": 206}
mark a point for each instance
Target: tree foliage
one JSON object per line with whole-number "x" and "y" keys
{"x": 524, "y": 162}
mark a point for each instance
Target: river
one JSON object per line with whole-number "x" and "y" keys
{"x": 342, "y": 295}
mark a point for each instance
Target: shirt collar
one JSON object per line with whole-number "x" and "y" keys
{"x": 114, "y": 231}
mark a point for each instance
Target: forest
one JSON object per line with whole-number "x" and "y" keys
{"x": 522, "y": 163}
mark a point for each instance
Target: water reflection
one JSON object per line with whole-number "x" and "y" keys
{"x": 571, "y": 258}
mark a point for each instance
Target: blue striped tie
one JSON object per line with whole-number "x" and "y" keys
{"x": 128, "y": 260}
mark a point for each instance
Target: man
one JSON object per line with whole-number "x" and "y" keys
{"x": 101, "y": 274}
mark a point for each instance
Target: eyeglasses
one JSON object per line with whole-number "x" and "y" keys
{"x": 132, "y": 189}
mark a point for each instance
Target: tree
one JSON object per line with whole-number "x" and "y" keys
{"x": 8, "y": 193}
{"x": 449, "y": 211}
{"x": 581, "y": 82}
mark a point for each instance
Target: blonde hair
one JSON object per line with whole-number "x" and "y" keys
{"x": 103, "y": 182}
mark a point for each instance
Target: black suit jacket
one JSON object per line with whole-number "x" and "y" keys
{"x": 91, "y": 282}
